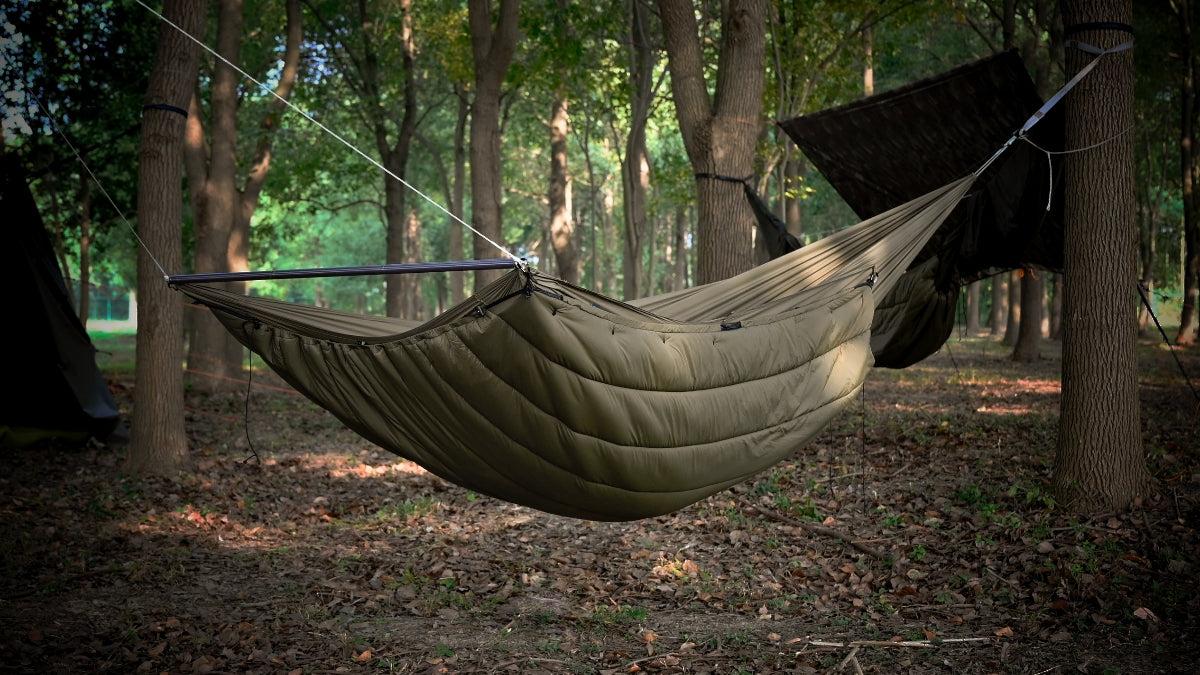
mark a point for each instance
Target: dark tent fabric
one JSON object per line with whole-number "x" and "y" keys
{"x": 886, "y": 149}
{"x": 57, "y": 389}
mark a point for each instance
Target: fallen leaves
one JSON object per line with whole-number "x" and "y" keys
{"x": 334, "y": 556}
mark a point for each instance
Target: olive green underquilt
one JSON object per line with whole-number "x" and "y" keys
{"x": 548, "y": 395}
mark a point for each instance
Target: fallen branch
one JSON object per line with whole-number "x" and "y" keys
{"x": 895, "y": 643}
{"x": 817, "y": 529}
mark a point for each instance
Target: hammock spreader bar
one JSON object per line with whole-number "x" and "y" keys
{"x": 361, "y": 270}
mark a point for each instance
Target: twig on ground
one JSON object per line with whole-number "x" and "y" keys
{"x": 848, "y": 659}
{"x": 993, "y": 573}
{"x": 526, "y": 659}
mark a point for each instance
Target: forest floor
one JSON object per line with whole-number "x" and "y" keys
{"x": 916, "y": 535}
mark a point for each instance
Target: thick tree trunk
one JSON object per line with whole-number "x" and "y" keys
{"x": 720, "y": 133}
{"x": 492, "y": 51}
{"x": 1100, "y": 465}
{"x": 157, "y": 441}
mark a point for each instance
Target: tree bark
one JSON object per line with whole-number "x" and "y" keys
{"x": 492, "y": 49}
{"x": 1013, "y": 319}
{"x": 1029, "y": 335}
{"x": 1189, "y": 168}
{"x": 1056, "y": 308}
{"x": 635, "y": 165}
{"x": 679, "y": 273}
{"x": 457, "y": 288}
{"x": 562, "y": 226}
{"x": 973, "y": 308}
{"x": 999, "y": 304}
{"x": 209, "y": 349}
{"x": 157, "y": 440}
{"x": 719, "y": 133}
{"x": 1100, "y": 464}
{"x": 85, "y": 249}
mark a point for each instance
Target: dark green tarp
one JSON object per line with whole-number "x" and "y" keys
{"x": 886, "y": 149}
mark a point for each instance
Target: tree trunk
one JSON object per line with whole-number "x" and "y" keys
{"x": 999, "y": 304}
{"x": 246, "y": 202}
{"x": 1100, "y": 465}
{"x": 680, "y": 271}
{"x": 1013, "y": 324}
{"x": 794, "y": 170}
{"x": 1029, "y": 336}
{"x": 1056, "y": 308}
{"x": 85, "y": 249}
{"x": 157, "y": 441}
{"x": 492, "y": 50}
{"x": 414, "y": 306}
{"x": 209, "y": 350}
{"x": 973, "y": 308}
{"x": 635, "y": 165}
{"x": 401, "y": 294}
{"x": 561, "y": 237}
{"x": 719, "y": 133}
{"x": 868, "y": 37}
{"x": 562, "y": 226}
{"x": 457, "y": 287}
{"x": 1189, "y": 167}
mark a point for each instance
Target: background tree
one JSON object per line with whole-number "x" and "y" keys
{"x": 374, "y": 50}
{"x": 719, "y": 131}
{"x": 58, "y": 89}
{"x": 492, "y": 46}
{"x": 1100, "y": 464}
{"x": 158, "y": 443}
{"x": 1189, "y": 166}
{"x": 635, "y": 163}
{"x": 224, "y": 196}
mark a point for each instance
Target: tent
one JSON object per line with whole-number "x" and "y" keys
{"x": 56, "y": 388}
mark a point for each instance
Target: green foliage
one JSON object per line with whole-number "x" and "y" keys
{"x": 322, "y": 204}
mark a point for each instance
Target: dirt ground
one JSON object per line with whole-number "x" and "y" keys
{"x": 917, "y": 535}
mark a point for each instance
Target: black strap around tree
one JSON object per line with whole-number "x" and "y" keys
{"x": 778, "y": 240}
{"x": 167, "y": 107}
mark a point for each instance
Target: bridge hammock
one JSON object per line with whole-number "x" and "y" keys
{"x": 545, "y": 394}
